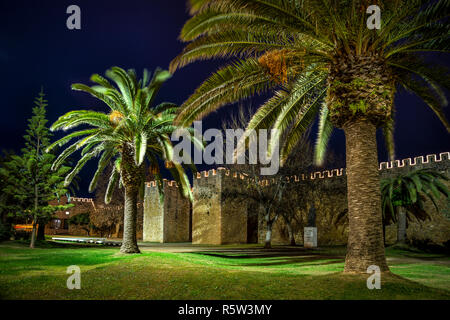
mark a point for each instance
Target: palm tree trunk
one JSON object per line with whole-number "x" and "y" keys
{"x": 129, "y": 241}
{"x": 401, "y": 230}
{"x": 365, "y": 237}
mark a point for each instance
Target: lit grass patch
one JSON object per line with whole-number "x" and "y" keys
{"x": 249, "y": 274}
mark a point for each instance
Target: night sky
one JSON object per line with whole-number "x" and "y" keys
{"x": 37, "y": 49}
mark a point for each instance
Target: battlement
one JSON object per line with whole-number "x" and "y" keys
{"x": 167, "y": 219}
{"x": 166, "y": 182}
{"x": 318, "y": 175}
{"x": 221, "y": 212}
{"x": 429, "y": 159}
{"x": 76, "y": 199}
{"x": 338, "y": 172}
{"x": 226, "y": 172}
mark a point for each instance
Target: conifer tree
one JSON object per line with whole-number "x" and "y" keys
{"x": 29, "y": 178}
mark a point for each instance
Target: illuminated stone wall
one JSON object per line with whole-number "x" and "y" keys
{"x": 59, "y": 222}
{"x": 217, "y": 218}
{"x": 220, "y": 218}
{"x": 332, "y": 201}
{"x": 169, "y": 220}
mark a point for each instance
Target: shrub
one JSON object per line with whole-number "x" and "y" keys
{"x": 430, "y": 246}
{"x": 22, "y": 235}
{"x": 5, "y": 231}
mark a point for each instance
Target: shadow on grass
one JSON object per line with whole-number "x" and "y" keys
{"x": 273, "y": 259}
{"x": 201, "y": 275}
{"x": 293, "y": 262}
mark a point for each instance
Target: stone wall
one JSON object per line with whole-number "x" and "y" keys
{"x": 234, "y": 211}
{"x": 59, "y": 223}
{"x": 436, "y": 230}
{"x": 330, "y": 204}
{"x": 168, "y": 220}
{"x": 218, "y": 217}
{"x": 333, "y": 201}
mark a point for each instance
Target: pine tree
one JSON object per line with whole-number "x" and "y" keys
{"x": 30, "y": 179}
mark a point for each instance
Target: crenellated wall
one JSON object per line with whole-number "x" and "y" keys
{"x": 218, "y": 218}
{"x": 168, "y": 220}
{"x": 59, "y": 225}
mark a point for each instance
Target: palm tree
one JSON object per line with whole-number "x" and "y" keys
{"x": 132, "y": 135}
{"x": 319, "y": 58}
{"x": 403, "y": 197}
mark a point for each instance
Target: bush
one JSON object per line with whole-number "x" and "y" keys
{"x": 80, "y": 219}
{"x": 430, "y": 246}
{"x": 447, "y": 246}
{"x": 5, "y": 231}
{"x": 22, "y": 235}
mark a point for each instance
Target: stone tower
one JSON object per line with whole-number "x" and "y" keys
{"x": 167, "y": 221}
{"x": 218, "y": 217}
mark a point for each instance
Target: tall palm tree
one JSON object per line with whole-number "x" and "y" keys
{"x": 403, "y": 197}
{"x": 320, "y": 58}
{"x": 133, "y": 135}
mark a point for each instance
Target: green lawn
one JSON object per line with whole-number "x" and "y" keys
{"x": 248, "y": 274}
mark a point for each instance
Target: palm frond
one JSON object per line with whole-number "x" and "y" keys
{"x": 232, "y": 83}
{"x": 325, "y": 130}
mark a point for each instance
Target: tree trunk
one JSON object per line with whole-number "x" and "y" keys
{"x": 33, "y": 235}
{"x": 129, "y": 241}
{"x": 365, "y": 236}
{"x": 291, "y": 233}
{"x": 116, "y": 234}
{"x": 268, "y": 240}
{"x": 269, "y": 226}
{"x": 401, "y": 224}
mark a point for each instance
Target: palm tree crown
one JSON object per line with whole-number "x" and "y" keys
{"x": 130, "y": 133}
{"x": 316, "y": 54}
{"x": 410, "y": 192}
{"x": 320, "y": 58}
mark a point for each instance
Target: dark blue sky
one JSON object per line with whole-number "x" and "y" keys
{"x": 36, "y": 49}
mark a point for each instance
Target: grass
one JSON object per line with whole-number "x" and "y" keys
{"x": 249, "y": 273}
